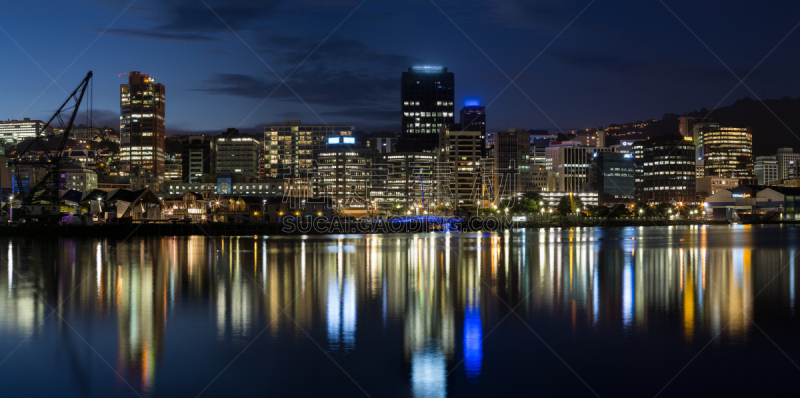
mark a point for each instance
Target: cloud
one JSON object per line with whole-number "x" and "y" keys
{"x": 147, "y": 34}
{"x": 345, "y": 79}
{"x": 191, "y": 20}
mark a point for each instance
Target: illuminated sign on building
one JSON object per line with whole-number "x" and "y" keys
{"x": 333, "y": 140}
{"x": 472, "y": 102}
{"x": 349, "y": 140}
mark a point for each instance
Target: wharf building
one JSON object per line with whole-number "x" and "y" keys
{"x": 228, "y": 184}
{"x": 707, "y": 186}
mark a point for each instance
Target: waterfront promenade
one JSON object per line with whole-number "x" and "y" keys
{"x": 160, "y": 228}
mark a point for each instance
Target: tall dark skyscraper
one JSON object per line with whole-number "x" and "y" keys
{"x": 427, "y": 94}
{"x": 473, "y": 118}
{"x": 141, "y": 125}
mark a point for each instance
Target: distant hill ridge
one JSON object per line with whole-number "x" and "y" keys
{"x": 769, "y": 133}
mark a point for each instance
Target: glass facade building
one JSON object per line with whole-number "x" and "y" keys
{"x": 612, "y": 175}
{"x": 665, "y": 170}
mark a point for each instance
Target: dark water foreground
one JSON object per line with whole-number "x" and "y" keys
{"x": 668, "y": 311}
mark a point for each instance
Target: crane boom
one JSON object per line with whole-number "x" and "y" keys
{"x": 46, "y": 189}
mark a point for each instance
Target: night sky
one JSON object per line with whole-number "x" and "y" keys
{"x": 616, "y": 61}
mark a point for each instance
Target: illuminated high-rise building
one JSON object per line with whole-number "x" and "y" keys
{"x": 466, "y": 178}
{"x": 426, "y": 102}
{"x": 665, "y": 170}
{"x": 141, "y": 125}
{"x": 289, "y": 147}
{"x": 723, "y": 151}
{"x": 473, "y": 118}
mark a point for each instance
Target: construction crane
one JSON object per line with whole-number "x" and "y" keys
{"x": 41, "y": 195}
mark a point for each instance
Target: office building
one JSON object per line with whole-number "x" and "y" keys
{"x": 543, "y": 180}
{"x": 788, "y": 162}
{"x": 590, "y": 137}
{"x": 343, "y": 175}
{"x": 624, "y": 146}
{"x": 83, "y": 133}
{"x": 289, "y": 148}
{"x": 426, "y": 102}
{"x": 79, "y": 178}
{"x": 141, "y": 125}
{"x": 612, "y": 176}
{"x": 512, "y": 162}
{"x": 198, "y": 157}
{"x": 571, "y": 164}
{"x": 472, "y": 117}
{"x": 237, "y": 153}
{"x": 405, "y": 179}
{"x": 540, "y": 140}
{"x": 724, "y": 151}
{"x": 173, "y": 171}
{"x": 665, "y": 170}
{"x": 686, "y": 124}
{"x": 17, "y": 130}
{"x": 461, "y": 152}
{"x": 382, "y": 141}
{"x": 766, "y": 169}
{"x": 554, "y": 197}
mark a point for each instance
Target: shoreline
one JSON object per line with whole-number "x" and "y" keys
{"x": 122, "y": 230}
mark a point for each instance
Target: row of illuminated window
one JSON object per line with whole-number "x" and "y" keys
{"x": 428, "y": 114}
{"x": 668, "y": 188}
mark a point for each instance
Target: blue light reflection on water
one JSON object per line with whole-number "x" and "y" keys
{"x": 473, "y": 341}
{"x": 392, "y": 309}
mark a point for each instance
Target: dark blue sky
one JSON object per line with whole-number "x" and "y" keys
{"x": 619, "y": 61}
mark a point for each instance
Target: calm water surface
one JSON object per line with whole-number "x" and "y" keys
{"x": 673, "y": 311}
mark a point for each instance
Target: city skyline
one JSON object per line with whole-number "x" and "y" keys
{"x": 609, "y": 66}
